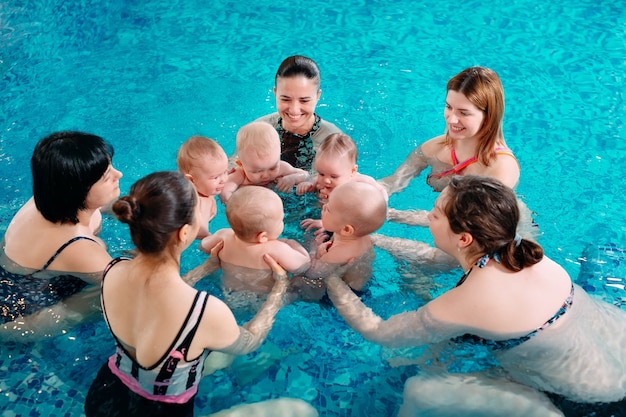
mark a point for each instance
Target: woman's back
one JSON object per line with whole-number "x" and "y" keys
{"x": 500, "y": 303}
{"x": 146, "y": 310}
{"x": 25, "y": 246}
{"x": 583, "y": 358}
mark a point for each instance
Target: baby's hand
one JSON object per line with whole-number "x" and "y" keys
{"x": 323, "y": 248}
{"x": 309, "y": 224}
{"x": 285, "y": 184}
{"x": 321, "y": 236}
{"x": 305, "y": 187}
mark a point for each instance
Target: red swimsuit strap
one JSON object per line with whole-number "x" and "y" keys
{"x": 458, "y": 167}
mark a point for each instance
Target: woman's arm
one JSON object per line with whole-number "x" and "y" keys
{"x": 413, "y": 166}
{"x": 412, "y": 328}
{"x": 254, "y": 332}
{"x": 209, "y": 266}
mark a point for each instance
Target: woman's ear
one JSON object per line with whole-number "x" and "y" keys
{"x": 465, "y": 239}
{"x": 319, "y": 93}
{"x": 184, "y": 234}
{"x": 355, "y": 168}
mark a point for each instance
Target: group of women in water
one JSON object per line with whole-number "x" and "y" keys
{"x": 559, "y": 350}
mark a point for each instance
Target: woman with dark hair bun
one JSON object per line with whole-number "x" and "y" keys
{"x": 164, "y": 329}
{"x": 50, "y": 252}
{"x": 297, "y": 91}
{"x": 557, "y": 347}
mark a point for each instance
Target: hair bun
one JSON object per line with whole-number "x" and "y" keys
{"x": 127, "y": 209}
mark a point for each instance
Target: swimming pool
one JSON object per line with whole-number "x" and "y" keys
{"x": 147, "y": 75}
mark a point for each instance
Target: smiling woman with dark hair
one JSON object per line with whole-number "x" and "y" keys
{"x": 297, "y": 90}
{"x": 50, "y": 250}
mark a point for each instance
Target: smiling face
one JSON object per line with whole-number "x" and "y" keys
{"x": 209, "y": 175}
{"x": 332, "y": 171}
{"x": 463, "y": 119}
{"x": 105, "y": 190}
{"x": 296, "y": 98}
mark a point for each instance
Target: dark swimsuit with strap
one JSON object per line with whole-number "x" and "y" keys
{"x": 297, "y": 149}
{"x": 516, "y": 341}
{"x": 22, "y": 295}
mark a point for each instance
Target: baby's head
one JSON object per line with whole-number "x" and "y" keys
{"x": 255, "y": 214}
{"x": 357, "y": 208}
{"x": 335, "y": 162}
{"x": 203, "y": 162}
{"x": 258, "y": 152}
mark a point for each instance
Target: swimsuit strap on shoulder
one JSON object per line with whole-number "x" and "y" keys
{"x": 453, "y": 157}
{"x": 456, "y": 166}
{"x": 113, "y": 262}
{"x": 63, "y": 246}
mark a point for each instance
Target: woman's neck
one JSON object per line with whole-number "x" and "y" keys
{"x": 166, "y": 262}
{"x": 465, "y": 148}
{"x": 300, "y": 130}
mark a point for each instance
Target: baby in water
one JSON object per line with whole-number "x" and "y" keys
{"x": 255, "y": 215}
{"x": 354, "y": 210}
{"x": 258, "y": 162}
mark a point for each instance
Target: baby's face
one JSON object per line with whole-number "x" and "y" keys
{"x": 260, "y": 170}
{"x": 332, "y": 218}
{"x": 332, "y": 172}
{"x": 210, "y": 175}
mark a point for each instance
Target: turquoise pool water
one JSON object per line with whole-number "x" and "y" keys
{"x": 147, "y": 75}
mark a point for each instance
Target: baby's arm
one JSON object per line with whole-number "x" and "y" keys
{"x": 208, "y": 243}
{"x": 235, "y": 179}
{"x": 307, "y": 186}
{"x": 291, "y": 256}
{"x": 289, "y": 176}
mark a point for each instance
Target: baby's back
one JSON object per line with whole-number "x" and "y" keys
{"x": 242, "y": 278}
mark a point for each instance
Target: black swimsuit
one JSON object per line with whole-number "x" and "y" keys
{"x": 23, "y": 294}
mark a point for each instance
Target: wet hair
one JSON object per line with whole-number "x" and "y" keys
{"x": 196, "y": 148}
{"x": 339, "y": 144}
{"x": 488, "y": 210}
{"x": 483, "y": 88}
{"x": 296, "y": 65}
{"x": 248, "y": 211}
{"x": 65, "y": 165}
{"x": 156, "y": 207}
{"x": 260, "y": 137}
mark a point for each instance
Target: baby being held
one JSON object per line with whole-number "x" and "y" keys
{"x": 203, "y": 162}
{"x": 335, "y": 163}
{"x": 258, "y": 161}
{"x": 353, "y": 211}
{"x": 255, "y": 215}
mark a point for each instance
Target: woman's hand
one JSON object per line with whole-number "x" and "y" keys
{"x": 279, "y": 271}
